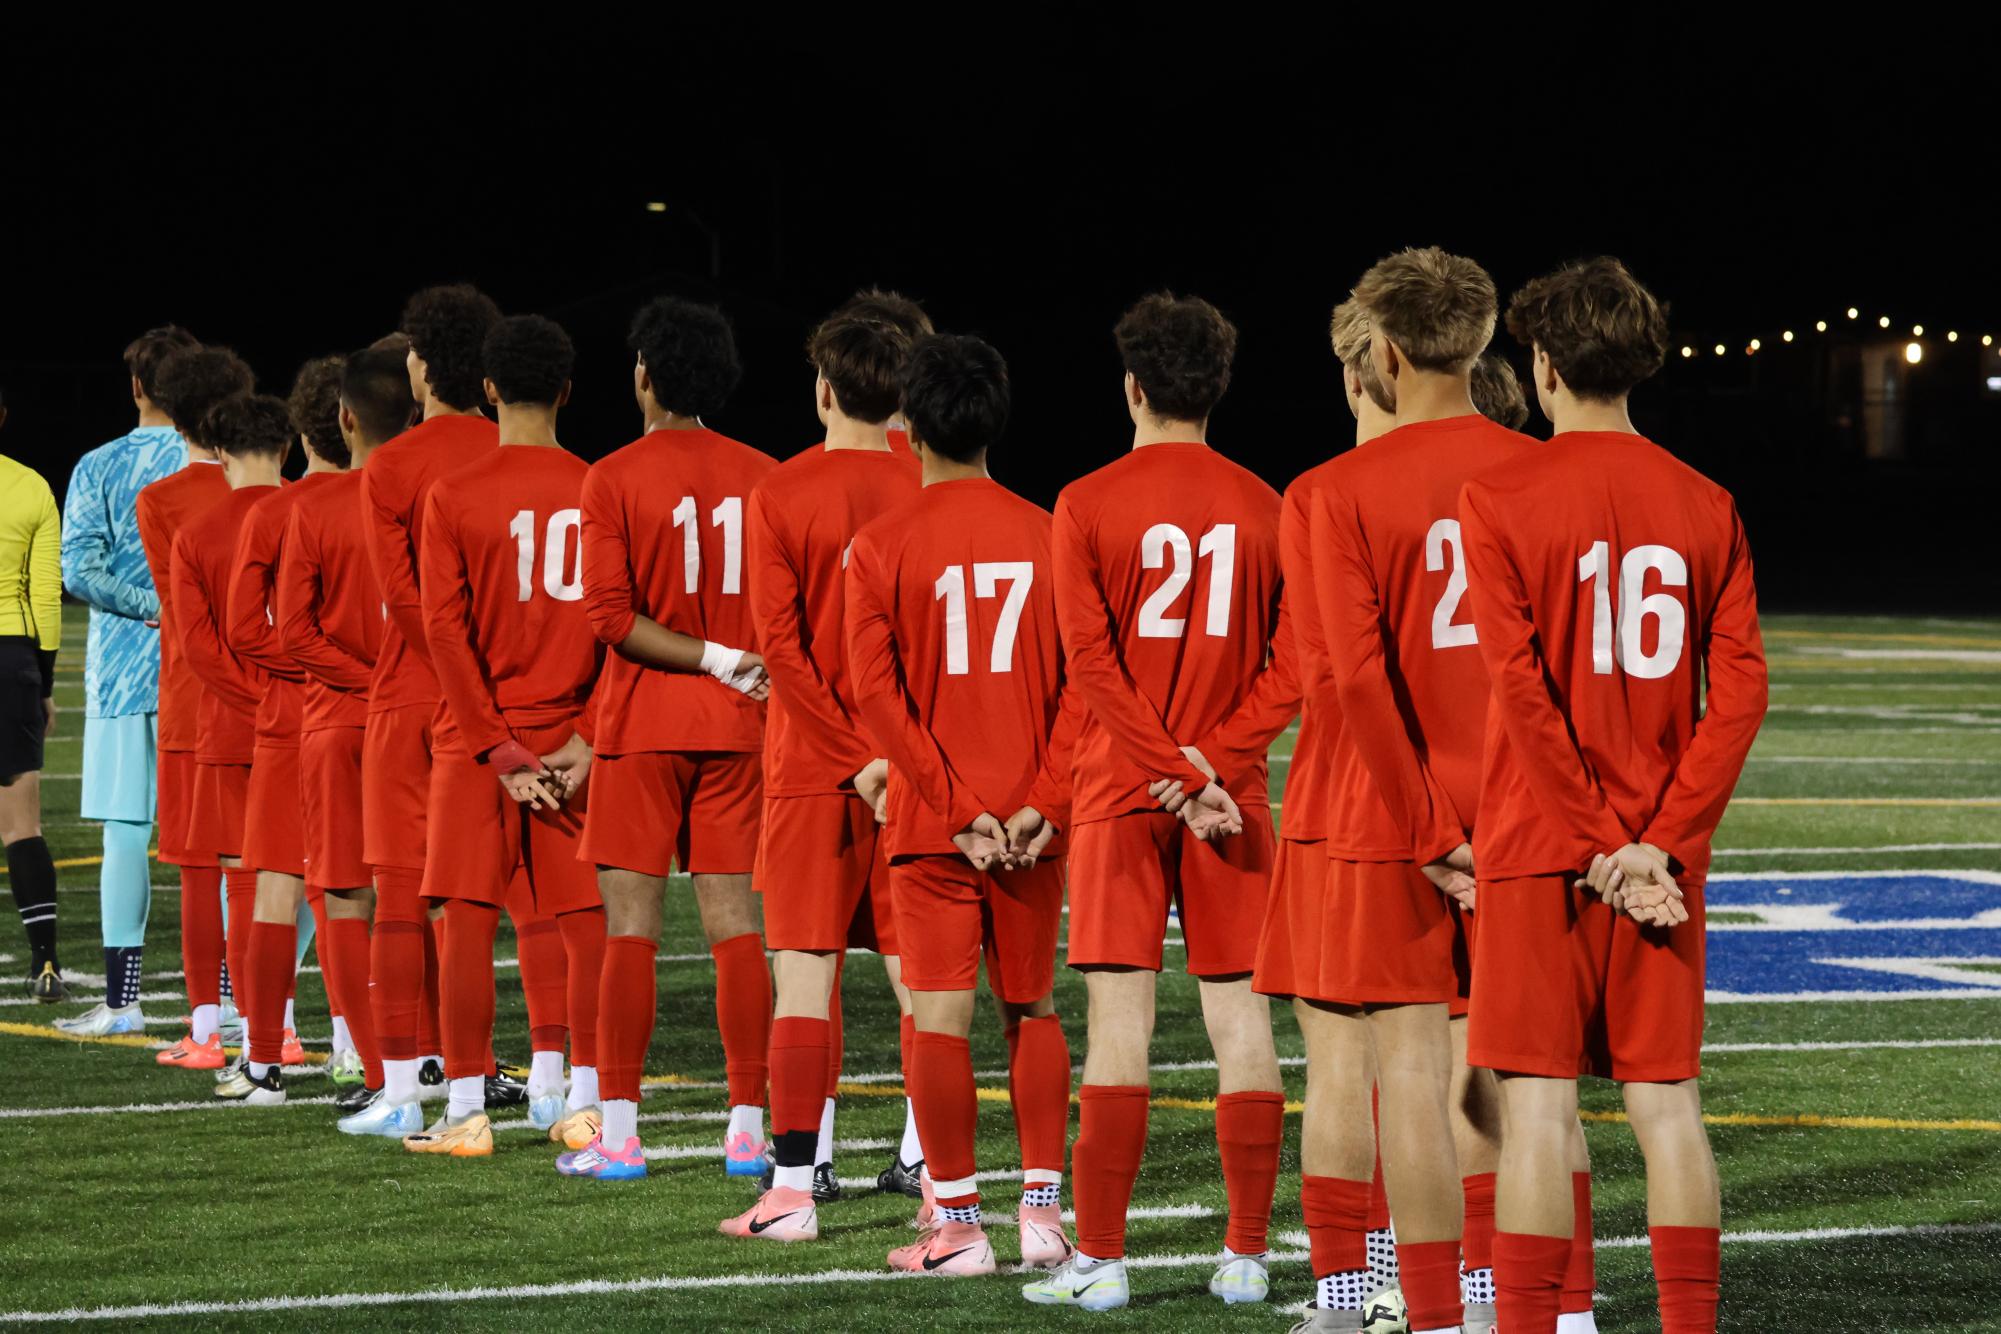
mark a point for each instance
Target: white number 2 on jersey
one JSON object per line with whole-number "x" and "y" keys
{"x": 1163, "y": 540}
{"x": 1444, "y": 535}
{"x": 562, "y": 555}
{"x": 1594, "y": 567}
{"x": 950, "y": 589}
{"x": 728, "y": 516}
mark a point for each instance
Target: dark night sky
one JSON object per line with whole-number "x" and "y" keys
{"x": 1026, "y": 185}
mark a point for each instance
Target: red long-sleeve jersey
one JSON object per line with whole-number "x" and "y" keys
{"x": 1168, "y": 591}
{"x": 165, "y": 507}
{"x": 330, "y": 617}
{"x": 503, "y": 597}
{"x": 232, "y": 688}
{"x": 957, "y": 661}
{"x": 803, "y": 515}
{"x": 1608, "y": 580}
{"x": 1307, "y": 776}
{"x": 394, "y": 483}
{"x": 664, "y": 538}
{"x": 252, "y": 630}
{"x": 1390, "y": 581}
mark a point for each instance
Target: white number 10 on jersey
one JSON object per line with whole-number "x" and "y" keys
{"x": 562, "y": 555}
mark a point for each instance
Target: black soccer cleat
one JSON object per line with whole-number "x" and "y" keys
{"x": 48, "y": 987}
{"x": 826, "y": 1186}
{"x": 901, "y": 1178}
{"x": 354, "y": 1099}
{"x": 505, "y": 1089}
{"x": 430, "y": 1076}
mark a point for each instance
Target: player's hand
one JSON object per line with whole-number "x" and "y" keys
{"x": 739, "y": 669}
{"x": 49, "y": 717}
{"x": 1200, "y": 761}
{"x": 983, "y": 842}
{"x": 1635, "y": 880}
{"x": 1453, "y": 875}
{"x": 1211, "y": 814}
{"x": 759, "y": 688}
{"x": 532, "y": 790}
{"x": 1168, "y": 792}
{"x": 568, "y": 766}
{"x": 1028, "y": 837}
{"x": 872, "y": 786}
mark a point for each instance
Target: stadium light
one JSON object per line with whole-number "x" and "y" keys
{"x": 1913, "y": 353}
{"x": 1820, "y": 326}
{"x": 1687, "y": 351}
{"x": 1852, "y": 312}
{"x": 1882, "y": 321}
{"x": 1755, "y": 345}
{"x": 1952, "y": 335}
{"x": 1787, "y": 335}
{"x": 1987, "y": 340}
{"x": 656, "y": 206}
{"x": 1719, "y": 349}
{"x": 1917, "y": 331}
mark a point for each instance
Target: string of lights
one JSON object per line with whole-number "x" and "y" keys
{"x": 1914, "y": 350}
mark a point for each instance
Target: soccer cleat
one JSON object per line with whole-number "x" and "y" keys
{"x": 431, "y": 1084}
{"x": 594, "y": 1160}
{"x": 545, "y": 1111}
{"x": 1479, "y": 1318}
{"x": 506, "y": 1089}
{"x": 234, "y": 1029}
{"x": 901, "y": 1178}
{"x": 1384, "y": 1313}
{"x": 293, "y": 1053}
{"x": 103, "y": 1021}
{"x": 354, "y": 1099}
{"x": 1323, "y": 1321}
{"x": 826, "y": 1186}
{"x": 47, "y": 986}
{"x": 578, "y": 1130}
{"x": 927, "y": 1212}
{"x": 469, "y": 1137}
{"x": 780, "y": 1214}
{"x": 246, "y": 1088}
{"x": 391, "y": 1120}
{"x": 1240, "y": 1278}
{"x": 743, "y": 1156}
{"x": 1044, "y": 1245}
{"x": 191, "y": 1055}
{"x": 1102, "y": 1287}
{"x": 344, "y": 1069}
{"x": 955, "y": 1250}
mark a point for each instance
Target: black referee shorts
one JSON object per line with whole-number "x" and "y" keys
{"x": 22, "y": 720}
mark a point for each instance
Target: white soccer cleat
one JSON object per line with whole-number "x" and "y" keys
{"x": 1385, "y": 1313}
{"x": 1241, "y": 1278}
{"x": 1319, "y": 1321}
{"x": 546, "y": 1110}
{"x": 393, "y": 1120}
{"x": 1102, "y": 1287}
{"x": 345, "y": 1069}
{"x": 103, "y": 1021}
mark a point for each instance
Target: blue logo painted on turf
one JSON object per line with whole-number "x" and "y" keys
{"x": 1857, "y": 935}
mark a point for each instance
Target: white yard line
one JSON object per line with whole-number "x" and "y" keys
{"x": 204, "y": 1105}
{"x": 1845, "y": 852}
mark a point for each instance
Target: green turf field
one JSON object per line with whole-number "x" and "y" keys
{"x": 1860, "y": 1153}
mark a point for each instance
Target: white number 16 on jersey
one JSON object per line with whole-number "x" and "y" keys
{"x": 987, "y": 578}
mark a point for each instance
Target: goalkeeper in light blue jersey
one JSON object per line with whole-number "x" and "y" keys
{"x": 105, "y": 566}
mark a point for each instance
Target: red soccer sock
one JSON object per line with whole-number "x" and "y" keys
{"x": 798, "y": 1062}
{"x": 396, "y": 963}
{"x": 627, "y": 997}
{"x": 201, "y": 933}
{"x": 1688, "y": 1267}
{"x": 1249, "y": 1126}
{"x": 430, "y": 1012}
{"x": 1104, "y": 1164}
{"x": 941, "y": 1089}
{"x": 1428, "y": 1273}
{"x": 467, "y": 972}
{"x": 1477, "y": 1241}
{"x": 1581, "y": 1278}
{"x": 1528, "y": 1280}
{"x": 1038, "y": 1086}
{"x": 267, "y": 965}
{"x": 345, "y": 960}
{"x": 240, "y": 886}
{"x": 545, "y": 984}
{"x": 1336, "y": 1211}
{"x": 743, "y": 1016}
{"x": 836, "y": 1040}
{"x": 583, "y": 954}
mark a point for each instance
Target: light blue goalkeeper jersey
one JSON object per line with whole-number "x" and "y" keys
{"x": 105, "y": 566}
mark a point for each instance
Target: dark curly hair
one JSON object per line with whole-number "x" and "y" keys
{"x": 1602, "y": 330}
{"x": 529, "y": 359}
{"x": 1180, "y": 350}
{"x": 145, "y": 355}
{"x": 860, "y": 348}
{"x": 315, "y": 406}
{"x": 447, "y": 326}
{"x": 689, "y": 353}
{"x": 955, "y": 395}
{"x": 249, "y": 424}
{"x": 193, "y": 380}
{"x": 1497, "y": 392}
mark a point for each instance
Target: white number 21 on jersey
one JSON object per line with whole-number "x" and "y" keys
{"x": 1164, "y": 541}
{"x": 562, "y": 555}
{"x": 987, "y": 578}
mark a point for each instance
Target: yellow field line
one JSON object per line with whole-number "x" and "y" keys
{"x": 116, "y": 1039}
{"x": 1810, "y": 1121}
{"x": 1866, "y": 801}
{"x": 1953, "y": 641}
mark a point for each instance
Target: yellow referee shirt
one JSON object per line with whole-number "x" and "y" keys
{"x": 31, "y": 571}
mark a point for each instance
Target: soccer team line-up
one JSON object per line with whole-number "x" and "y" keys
{"x": 867, "y": 700}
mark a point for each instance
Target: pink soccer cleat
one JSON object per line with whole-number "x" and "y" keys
{"x": 600, "y": 1162}
{"x": 1044, "y": 1244}
{"x": 953, "y": 1250}
{"x": 927, "y": 1212}
{"x": 742, "y": 1155}
{"x": 191, "y": 1055}
{"x": 293, "y": 1053}
{"x": 780, "y": 1214}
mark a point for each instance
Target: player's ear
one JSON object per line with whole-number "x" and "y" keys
{"x": 346, "y": 421}
{"x": 493, "y": 393}
{"x": 564, "y": 397}
{"x": 138, "y": 390}
{"x": 1383, "y": 356}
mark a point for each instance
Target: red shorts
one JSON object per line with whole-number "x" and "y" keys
{"x": 948, "y": 915}
{"x": 215, "y": 824}
{"x": 1288, "y": 962}
{"x": 274, "y": 836}
{"x": 1127, "y": 871}
{"x": 824, "y": 876}
{"x": 1379, "y": 934}
{"x": 657, "y": 809}
{"x": 395, "y": 786}
{"x": 330, "y": 792}
{"x": 175, "y": 806}
{"x": 1564, "y": 986}
{"x": 480, "y": 836}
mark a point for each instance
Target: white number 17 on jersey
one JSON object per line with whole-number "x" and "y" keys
{"x": 987, "y": 578}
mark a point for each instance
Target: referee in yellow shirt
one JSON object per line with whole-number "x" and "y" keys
{"x": 31, "y": 629}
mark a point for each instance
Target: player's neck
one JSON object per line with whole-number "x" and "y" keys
{"x": 437, "y": 407}
{"x": 659, "y": 419}
{"x": 938, "y": 468}
{"x": 1570, "y": 413}
{"x": 1372, "y": 422}
{"x": 315, "y": 465}
{"x": 201, "y": 453}
{"x": 847, "y": 433}
{"x": 1151, "y": 430}
{"x": 1424, "y": 396}
{"x": 152, "y": 416}
{"x": 532, "y": 425}
{"x": 249, "y": 470}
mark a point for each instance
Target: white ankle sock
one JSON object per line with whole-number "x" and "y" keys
{"x": 747, "y": 1120}
{"x": 205, "y": 1021}
{"x": 1577, "y": 1322}
{"x": 583, "y": 1088}
{"x": 290, "y": 1017}
{"x": 621, "y": 1122}
{"x": 399, "y": 1081}
{"x": 545, "y": 1073}
{"x": 1345, "y": 1291}
{"x": 342, "y": 1039}
{"x": 1476, "y": 1287}
{"x": 912, "y": 1151}
{"x": 793, "y": 1178}
{"x": 1382, "y": 1243}
{"x": 825, "y": 1152}
{"x": 468, "y": 1095}
{"x": 258, "y": 1069}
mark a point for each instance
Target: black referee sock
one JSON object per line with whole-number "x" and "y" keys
{"x": 31, "y": 874}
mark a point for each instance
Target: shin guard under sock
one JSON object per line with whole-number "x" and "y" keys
{"x": 1104, "y": 1164}
{"x": 1249, "y": 1126}
{"x": 743, "y": 1016}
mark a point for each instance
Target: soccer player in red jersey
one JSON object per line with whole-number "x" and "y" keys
{"x": 677, "y": 774}
{"x": 822, "y": 873}
{"x": 1610, "y": 582}
{"x": 956, "y": 661}
{"x": 1167, "y": 589}
{"x": 504, "y": 621}
{"x": 329, "y": 619}
{"x": 251, "y": 434}
{"x": 190, "y": 383}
